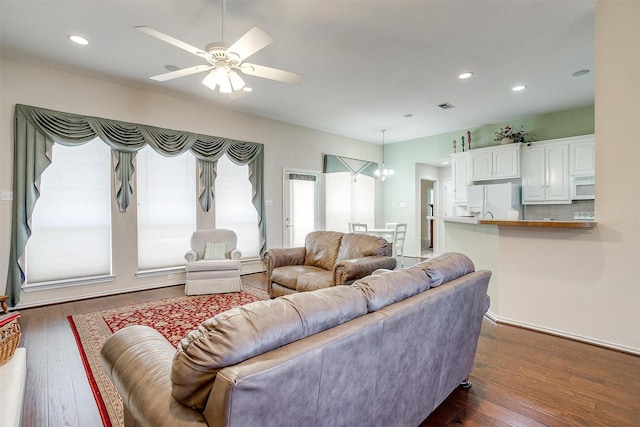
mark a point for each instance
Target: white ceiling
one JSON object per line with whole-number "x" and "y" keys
{"x": 366, "y": 63}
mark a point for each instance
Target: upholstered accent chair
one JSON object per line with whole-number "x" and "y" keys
{"x": 213, "y": 263}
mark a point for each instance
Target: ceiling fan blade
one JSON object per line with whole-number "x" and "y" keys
{"x": 181, "y": 73}
{"x": 271, "y": 73}
{"x": 251, "y": 42}
{"x": 168, "y": 39}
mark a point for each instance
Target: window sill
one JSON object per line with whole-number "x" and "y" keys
{"x": 67, "y": 283}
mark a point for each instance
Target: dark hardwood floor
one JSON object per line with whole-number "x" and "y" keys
{"x": 520, "y": 378}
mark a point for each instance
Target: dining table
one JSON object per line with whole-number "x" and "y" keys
{"x": 385, "y": 233}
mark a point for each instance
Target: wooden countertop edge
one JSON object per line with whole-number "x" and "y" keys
{"x": 548, "y": 224}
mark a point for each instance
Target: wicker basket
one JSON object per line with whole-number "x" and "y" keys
{"x": 9, "y": 340}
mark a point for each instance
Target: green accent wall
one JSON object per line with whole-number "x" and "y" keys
{"x": 561, "y": 124}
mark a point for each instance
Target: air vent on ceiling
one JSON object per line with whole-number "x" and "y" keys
{"x": 445, "y": 106}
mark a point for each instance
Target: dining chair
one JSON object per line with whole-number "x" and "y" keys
{"x": 357, "y": 227}
{"x": 398, "y": 241}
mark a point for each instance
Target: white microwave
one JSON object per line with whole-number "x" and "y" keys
{"x": 583, "y": 187}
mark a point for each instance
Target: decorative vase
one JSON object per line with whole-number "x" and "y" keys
{"x": 506, "y": 141}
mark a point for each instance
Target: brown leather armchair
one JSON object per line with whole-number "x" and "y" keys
{"x": 328, "y": 258}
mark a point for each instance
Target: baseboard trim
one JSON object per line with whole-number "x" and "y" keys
{"x": 563, "y": 334}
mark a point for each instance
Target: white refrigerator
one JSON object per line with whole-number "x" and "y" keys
{"x": 494, "y": 200}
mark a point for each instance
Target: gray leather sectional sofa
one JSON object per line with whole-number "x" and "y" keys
{"x": 386, "y": 350}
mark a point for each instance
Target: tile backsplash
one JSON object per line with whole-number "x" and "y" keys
{"x": 557, "y": 212}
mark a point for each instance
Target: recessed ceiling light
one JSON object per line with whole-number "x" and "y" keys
{"x": 78, "y": 40}
{"x": 247, "y": 89}
{"x": 518, "y": 88}
{"x": 445, "y": 162}
{"x": 465, "y": 75}
{"x": 408, "y": 115}
{"x": 580, "y": 73}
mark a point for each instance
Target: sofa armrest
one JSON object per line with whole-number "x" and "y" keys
{"x": 191, "y": 256}
{"x": 235, "y": 254}
{"x": 348, "y": 270}
{"x": 138, "y": 360}
{"x": 279, "y": 257}
{"x": 288, "y": 256}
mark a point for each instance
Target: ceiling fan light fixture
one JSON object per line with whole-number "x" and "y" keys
{"x": 225, "y": 87}
{"x": 236, "y": 81}
{"x": 210, "y": 80}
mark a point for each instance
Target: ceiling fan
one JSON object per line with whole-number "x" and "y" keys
{"x": 224, "y": 62}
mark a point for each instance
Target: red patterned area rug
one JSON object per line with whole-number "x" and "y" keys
{"x": 172, "y": 317}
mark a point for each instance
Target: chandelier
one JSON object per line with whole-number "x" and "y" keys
{"x": 382, "y": 172}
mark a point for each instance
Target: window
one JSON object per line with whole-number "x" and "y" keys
{"x": 166, "y": 188}
{"x": 234, "y": 207}
{"x": 71, "y": 221}
{"x": 349, "y": 198}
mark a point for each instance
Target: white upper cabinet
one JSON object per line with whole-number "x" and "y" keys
{"x": 499, "y": 162}
{"x": 545, "y": 173}
{"x": 460, "y": 174}
{"x": 582, "y": 156}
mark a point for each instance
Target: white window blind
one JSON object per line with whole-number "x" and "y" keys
{"x": 348, "y": 200}
{"x": 303, "y": 215}
{"x": 234, "y": 208}
{"x": 71, "y": 222}
{"x": 166, "y": 191}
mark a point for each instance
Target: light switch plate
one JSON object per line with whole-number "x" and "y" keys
{"x": 7, "y": 195}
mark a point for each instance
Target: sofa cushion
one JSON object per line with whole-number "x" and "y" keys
{"x": 322, "y": 248}
{"x": 288, "y": 275}
{"x": 247, "y": 331}
{"x": 390, "y": 287}
{"x": 446, "y": 267}
{"x": 357, "y": 245}
{"x": 314, "y": 280}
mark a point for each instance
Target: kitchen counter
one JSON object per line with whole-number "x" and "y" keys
{"x": 533, "y": 223}
{"x": 462, "y": 219}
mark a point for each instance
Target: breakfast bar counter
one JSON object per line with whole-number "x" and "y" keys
{"x": 533, "y": 223}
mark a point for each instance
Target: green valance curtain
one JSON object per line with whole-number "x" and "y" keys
{"x": 333, "y": 164}
{"x": 37, "y": 129}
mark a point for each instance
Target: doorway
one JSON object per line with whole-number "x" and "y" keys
{"x": 301, "y": 206}
{"x": 428, "y": 229}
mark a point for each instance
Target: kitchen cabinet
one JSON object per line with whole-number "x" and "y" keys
{"x": 460, "y": 174}
{"x": 545, "y": 173}
{"x": 582, "y": 156}
{"x": 499, "y": 162}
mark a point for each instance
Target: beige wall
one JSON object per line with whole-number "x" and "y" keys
{"x": 29, "y": 84}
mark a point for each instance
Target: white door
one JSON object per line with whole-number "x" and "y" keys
{"x": 301, "y": 210}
